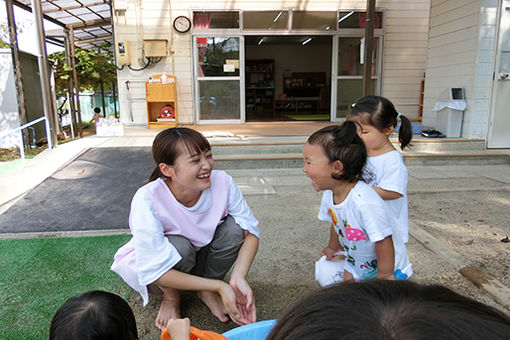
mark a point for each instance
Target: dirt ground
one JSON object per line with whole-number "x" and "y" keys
{"x": 465, "y": 214}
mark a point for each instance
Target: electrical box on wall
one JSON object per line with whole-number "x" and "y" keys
{"x": 155, "y": 48}
{"x": 122, "y": 52}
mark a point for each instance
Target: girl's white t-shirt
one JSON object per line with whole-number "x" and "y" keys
{"x": 390, "y": 173}
{"x": 360, "y": 221}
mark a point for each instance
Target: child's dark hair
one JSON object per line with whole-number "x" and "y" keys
{"x": 94, "y": 315}
{"x": 381, "y": 113}
{"x": 383, "y": 309}
{"x": 168, "y": 143}
{"x": 342, "y": 143}
{"x": 97, "y": 110}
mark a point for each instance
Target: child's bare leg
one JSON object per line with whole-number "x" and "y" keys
{"x": 348, "y": 276}
{"x": 213, "y": 301}
{"x": 170, "y": 307}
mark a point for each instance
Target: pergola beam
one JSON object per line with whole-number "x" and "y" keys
{"x": 46, "y": 17}
{"x": 72, "y": 7}
{"x": 91, "y": 40}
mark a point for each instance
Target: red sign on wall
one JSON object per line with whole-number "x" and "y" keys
{"x": 201, "y": 42}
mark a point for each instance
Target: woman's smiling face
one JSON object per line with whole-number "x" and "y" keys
{"x": 191, "y": 170}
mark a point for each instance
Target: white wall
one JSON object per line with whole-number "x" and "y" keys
{"x": 9, "y": 116}
{"x": 403, "y": 61}
{"x": 461, "y": 49}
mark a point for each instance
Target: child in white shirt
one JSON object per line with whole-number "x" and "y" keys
{"x": 377, "y": 119}
{"x": 335, "y": 157}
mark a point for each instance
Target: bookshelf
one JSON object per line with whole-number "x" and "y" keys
{"x": 259, "y": 87}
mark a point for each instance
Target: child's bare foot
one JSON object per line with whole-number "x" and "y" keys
{"x": 213, "y": 302}
{"x": 170, "y": 307}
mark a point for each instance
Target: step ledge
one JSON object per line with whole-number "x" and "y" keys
{"x": 425, "y": 155}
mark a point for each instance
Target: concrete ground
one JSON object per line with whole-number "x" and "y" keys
{"x": 458, "y": 215}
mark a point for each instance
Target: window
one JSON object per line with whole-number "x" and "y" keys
{"x": 271, "y": 20}
{"x": 314, "y": 20}
{"x": 353, "y": 19}
{"x": 208, "y": 20}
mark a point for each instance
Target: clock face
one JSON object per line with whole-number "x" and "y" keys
{"x": 182, "y": 24}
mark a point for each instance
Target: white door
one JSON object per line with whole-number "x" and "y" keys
{"x": 499, "y": 121}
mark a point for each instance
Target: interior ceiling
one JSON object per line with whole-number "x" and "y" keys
{"x": 90, "y": 20}
{"x": 287, "y": 39}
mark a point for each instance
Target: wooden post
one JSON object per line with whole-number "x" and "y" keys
{"x": 44, "y": 74}
{"x": 114, "y": 99}
{"x": 102, "y": 99}
{"x": 76, "y": 85}
{"x": 369, "y": 47}
{"x": 70, "y": 86}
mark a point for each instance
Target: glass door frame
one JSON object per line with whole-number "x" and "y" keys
{"x": 196, "y": 78}
{"x": 334, "y": 68}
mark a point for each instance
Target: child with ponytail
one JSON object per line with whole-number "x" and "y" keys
{"x": 377, "y": 119}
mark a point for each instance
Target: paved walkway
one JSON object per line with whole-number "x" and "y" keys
{"x": 458, "y": 216}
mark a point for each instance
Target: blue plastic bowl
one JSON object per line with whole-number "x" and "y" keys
{"x": 253, "y": 331}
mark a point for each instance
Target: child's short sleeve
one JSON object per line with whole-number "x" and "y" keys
{"x": 154, "y": 254}
{"x": 326, "y": 203}
{"x": 240, "y": 211}
{"x": 375, "y": 219}
{"x": 390, "y": 172}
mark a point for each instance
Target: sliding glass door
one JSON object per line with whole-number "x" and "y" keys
{"x": 218, "y": 75}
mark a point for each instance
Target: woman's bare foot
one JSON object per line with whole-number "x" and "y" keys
{"x": 170, "y": 307}
{"x": 213, "y": 302}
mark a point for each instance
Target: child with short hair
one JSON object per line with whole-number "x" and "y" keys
{"x": 377, "y": 118}
{"x": 190, "y": 223}
{"x": 382, "y": 309}
{"x": 335, "y": 158}
{"x": 94, "y": 315}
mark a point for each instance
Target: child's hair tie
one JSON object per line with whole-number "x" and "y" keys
{"x": 399, "y": 115}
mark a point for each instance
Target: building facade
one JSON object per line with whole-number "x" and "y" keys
{"x": 245, "y": 61}
{"x": 469, "y": 48}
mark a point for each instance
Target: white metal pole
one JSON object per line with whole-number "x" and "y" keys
{"x": 21, "y": 146}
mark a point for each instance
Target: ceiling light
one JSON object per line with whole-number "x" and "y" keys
{"x": 346, "y": 16}
{"x": 278, "y": 16}
{"x": 306, "y": 41}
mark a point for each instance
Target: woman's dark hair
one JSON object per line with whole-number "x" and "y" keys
{"x": 168, "y": 144}
{"x": 385, "y": 310}
{"x": 94, "y": 315}
{"x": 380, "y": 113}
{"x": 342, "y": 143}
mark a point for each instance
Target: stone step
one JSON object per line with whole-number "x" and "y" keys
{"x": 282, "y": 147}
{"x": 295, "y": 160}
{"x": 443, "y": 144}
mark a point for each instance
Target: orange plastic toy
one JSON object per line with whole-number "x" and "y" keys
{"x": 197, "y": 334}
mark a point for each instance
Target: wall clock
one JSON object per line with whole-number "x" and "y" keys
{"x": 182, "y": 24}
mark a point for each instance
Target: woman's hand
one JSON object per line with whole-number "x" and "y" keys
{"x": 178, "y": 329}
{"x": 245, "y": 300}
{"x": 229, "y": 299}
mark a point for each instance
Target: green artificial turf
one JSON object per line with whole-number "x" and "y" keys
{"x": 6, "y": 167}
{"x": 39, "y": 275}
